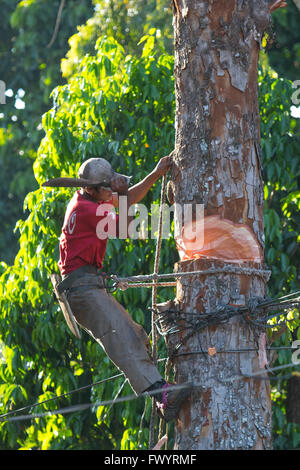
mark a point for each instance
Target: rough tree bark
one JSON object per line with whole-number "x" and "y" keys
{"x": 218, "y": 163}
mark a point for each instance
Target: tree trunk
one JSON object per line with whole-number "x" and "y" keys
{"x": 217, "y": 164}
{"x": 292, "y": 401}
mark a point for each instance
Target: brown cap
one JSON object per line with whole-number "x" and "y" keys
{"x": 93, "y": 172}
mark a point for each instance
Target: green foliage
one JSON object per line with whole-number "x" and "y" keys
{"x": 285, "y": 52}
{"x": 120, "y": 107}
{"x": 281, "y": 164}
{"x": 286, "y": 435}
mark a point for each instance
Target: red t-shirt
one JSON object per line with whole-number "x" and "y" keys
{"x": 84, "y": 237}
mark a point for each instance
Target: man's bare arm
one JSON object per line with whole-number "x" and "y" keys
{"x": 137, "y": 192}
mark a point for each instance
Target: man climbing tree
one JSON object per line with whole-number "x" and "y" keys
{"x": 218, "y": 163}
{"x": 81, "y": 256}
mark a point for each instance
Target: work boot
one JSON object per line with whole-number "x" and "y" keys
{"x": 169, "y": 402}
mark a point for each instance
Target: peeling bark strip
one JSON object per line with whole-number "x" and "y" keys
{"x": 217, "y": 163}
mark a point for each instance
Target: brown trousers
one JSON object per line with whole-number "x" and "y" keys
{"x": 124, "y": 341}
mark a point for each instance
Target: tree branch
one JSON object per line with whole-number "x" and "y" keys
{"x": 58, "y": 19}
